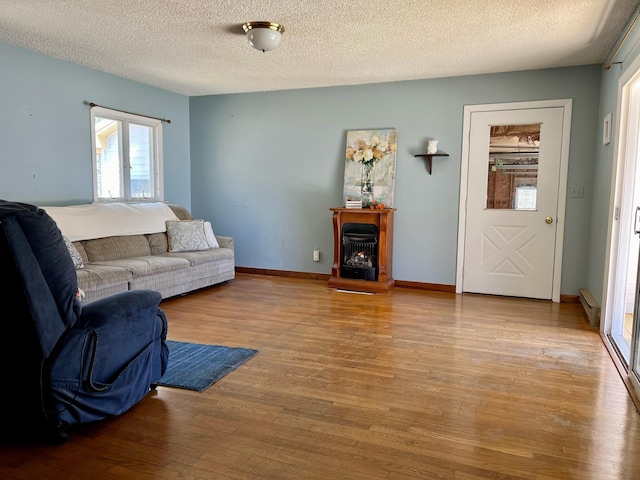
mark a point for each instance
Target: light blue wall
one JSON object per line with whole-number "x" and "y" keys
{"x": 266, "y": 167}
{"x": 603, "y": 171}
{"x": 45, "y": 144}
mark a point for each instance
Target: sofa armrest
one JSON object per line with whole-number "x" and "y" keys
{"x": 225, "y": 242}
{"x": 181, "y": 212}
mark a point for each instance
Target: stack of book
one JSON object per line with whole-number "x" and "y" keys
{"x": 353, "y": 204}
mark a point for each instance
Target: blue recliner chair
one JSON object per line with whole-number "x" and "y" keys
{"x": 63, "y": 363}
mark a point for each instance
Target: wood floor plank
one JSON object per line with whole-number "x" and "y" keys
{"x": 406, "y": 385}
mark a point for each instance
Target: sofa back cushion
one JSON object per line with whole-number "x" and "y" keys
{"x": 116, "y": 248}
{"x": 158, "y": 243}
{"x": 80, "y": 249}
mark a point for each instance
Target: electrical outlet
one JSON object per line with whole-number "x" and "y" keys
{"x": 316, "y": 254}
{"x": 576, "y": 191}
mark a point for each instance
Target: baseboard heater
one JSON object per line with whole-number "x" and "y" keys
{"x": 591, "y": 307}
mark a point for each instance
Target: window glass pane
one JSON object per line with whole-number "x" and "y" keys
{"x": 513, "y": 167}
{"x": 141, "y": 160}
{"x": 127, "y": 158}
{"x": 109, "y": 159}
{"x": 526, "y": 198}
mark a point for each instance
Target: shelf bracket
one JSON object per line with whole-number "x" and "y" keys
{"x": 428, "y": 158}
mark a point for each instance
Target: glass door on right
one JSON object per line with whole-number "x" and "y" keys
{"x": 634, "y": 375}
{"x": 627, "y": 216}
{"x": 632, "y": 331}
{"x": 622, "y": 316}
{"x": 633, "y": 286}
{"x": 625, "y": 304}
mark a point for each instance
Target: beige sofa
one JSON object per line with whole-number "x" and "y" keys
{"x": 112, "y": 264}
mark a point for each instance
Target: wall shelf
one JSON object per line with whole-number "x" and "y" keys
{"x": 428, "y": 158}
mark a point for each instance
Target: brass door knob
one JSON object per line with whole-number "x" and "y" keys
{"x": 548, "y": 220}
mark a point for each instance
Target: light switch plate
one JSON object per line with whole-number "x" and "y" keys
{"x": 576, "y": 191}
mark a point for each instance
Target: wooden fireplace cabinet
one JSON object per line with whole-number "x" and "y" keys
{"x": 381, "y": 218}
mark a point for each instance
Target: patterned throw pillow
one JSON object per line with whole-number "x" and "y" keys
{"x": 75, "y": 255}
{"x": 186, "y": 235}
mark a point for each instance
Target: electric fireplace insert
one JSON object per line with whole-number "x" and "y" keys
{"x": 359, "y": 251}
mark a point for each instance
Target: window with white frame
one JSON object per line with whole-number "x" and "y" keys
{"x": 127, "y": 156}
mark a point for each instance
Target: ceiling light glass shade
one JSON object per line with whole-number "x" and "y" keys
{"x": 263, "y": 36}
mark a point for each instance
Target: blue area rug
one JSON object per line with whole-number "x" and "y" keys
{"x": 196, "y": 367}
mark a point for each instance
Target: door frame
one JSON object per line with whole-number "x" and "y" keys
{"x": 620, "y": 159}
{"x": 566, "y": 105}
{"x": 621, "y": 214}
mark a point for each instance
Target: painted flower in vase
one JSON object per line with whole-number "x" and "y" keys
{"x": 368, "y": 152}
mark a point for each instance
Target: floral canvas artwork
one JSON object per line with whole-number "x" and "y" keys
{"x": 370, "y": 167}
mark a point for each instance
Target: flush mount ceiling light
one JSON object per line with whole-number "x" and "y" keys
{"x": 263, "y": 35}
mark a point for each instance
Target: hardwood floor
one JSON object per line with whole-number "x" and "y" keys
{"x": 405, "y": 385}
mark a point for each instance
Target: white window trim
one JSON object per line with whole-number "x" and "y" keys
{"x": 158, "y": 157}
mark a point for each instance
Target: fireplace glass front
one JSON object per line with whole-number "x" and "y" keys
{"x": 359, "y": 251}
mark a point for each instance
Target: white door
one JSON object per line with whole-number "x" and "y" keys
{"x": 512, "y": 202}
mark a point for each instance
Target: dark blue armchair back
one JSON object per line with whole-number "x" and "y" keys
{"x": 63, "y": 364}
{"x": 44, "y": 269}
{"x": 37, "y": 293}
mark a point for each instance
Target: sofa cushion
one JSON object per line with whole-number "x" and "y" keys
{"x": 149, "y": 265}
{"x": 202, "y": 257}
{"x": 80, "y": 249}
{"x": 158, "y": 243}
{"x": 116, "y": 248}
{"x": 186, "y": 236}
{"x": 95, "y": 277}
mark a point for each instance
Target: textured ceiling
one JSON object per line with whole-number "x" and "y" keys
{"x": 197, "y": 47}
